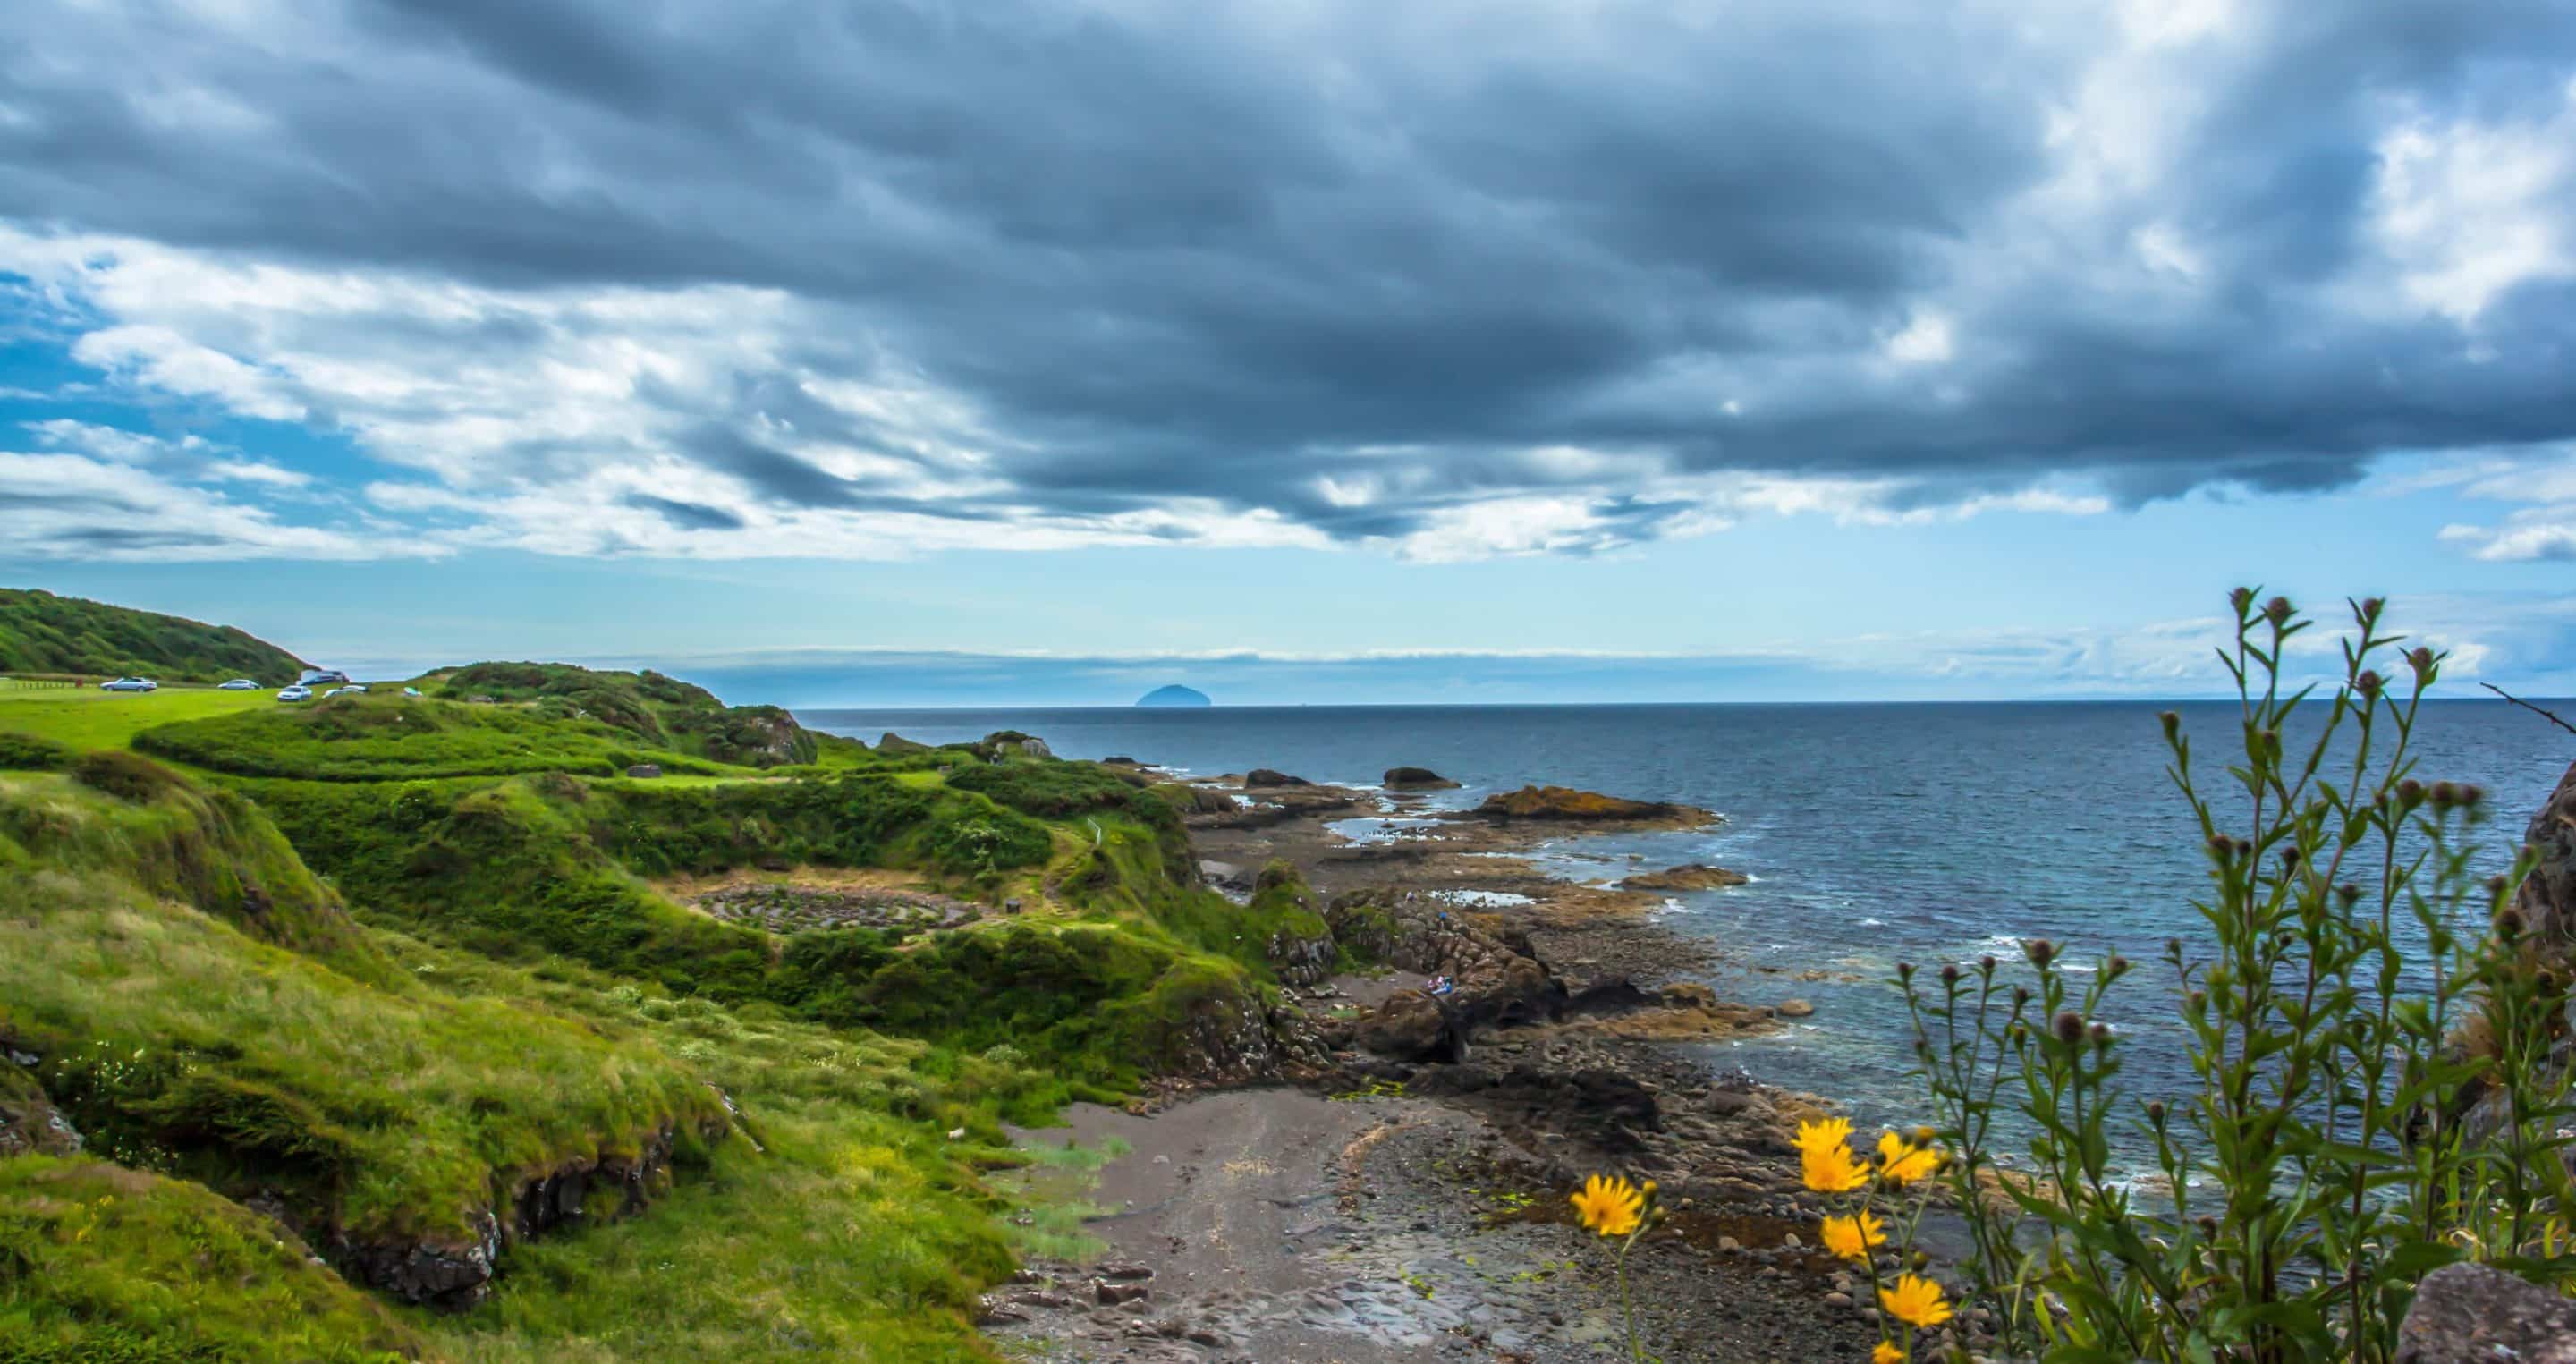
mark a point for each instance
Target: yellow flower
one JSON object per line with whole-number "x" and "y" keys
{"x": 1851, "y": 1237}
{"x": 1825, "y": 1162}
{"x": 1819, "y": 1136}
{"x": 1610, "y": 1206}
{"x": 1903, "y": 1162}
{"x": 1916, "y": 1301}
{"x": 1886, "y": 1354}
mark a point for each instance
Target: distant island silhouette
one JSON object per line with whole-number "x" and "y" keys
{"x": 1174, "y": 695}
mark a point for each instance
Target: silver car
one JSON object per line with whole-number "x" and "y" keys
{"x": 237, "y": 684}
{"x": 296, "y": 693}
{"x": 130, "y": 684}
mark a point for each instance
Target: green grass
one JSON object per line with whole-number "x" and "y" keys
{"x": 182, "y": 1044}
{"x": 44, "y": 633}
{"x": 396, "y": 738}
{"x": 103, "y": 1263}
{"x": 857, "y": 1229}
{"x": 86, "y": 717}
{"x": 512, "y": 991}
{"x": 652, "y": 710}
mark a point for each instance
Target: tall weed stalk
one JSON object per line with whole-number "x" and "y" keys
{"x": 2375, "y": 1041}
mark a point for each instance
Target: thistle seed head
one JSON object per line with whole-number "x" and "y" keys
{"x": 2070, "y": 1027}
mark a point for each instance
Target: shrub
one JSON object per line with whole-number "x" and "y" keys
{"x": 27, "y": 753}
{"x": 124, "y": 775}
{"x": 2341, "y": 1143}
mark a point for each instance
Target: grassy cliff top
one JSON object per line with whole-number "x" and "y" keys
{"x": 41, "y": 633}
{"x": 387, "y": 737}
{"x": 655, "y": 710}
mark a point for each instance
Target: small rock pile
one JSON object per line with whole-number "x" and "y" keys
{"x": 783, "y": 908}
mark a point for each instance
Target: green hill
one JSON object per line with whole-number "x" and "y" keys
{"x": 390, "y": 1001}
{"x": 657, "y": 711}
{"x": 45, "y": 634}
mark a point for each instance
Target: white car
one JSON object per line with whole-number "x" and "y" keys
{"x": 296, "y": 694}
{"x": 237, "y": 684}
{"x": 411, "y": 691}
{"x": 130, "y": 684}
{"x": 358, "y": 687}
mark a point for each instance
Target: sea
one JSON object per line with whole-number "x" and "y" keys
{"x": 1874, "y": 834}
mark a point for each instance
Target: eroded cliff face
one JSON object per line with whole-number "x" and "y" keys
{"x": 456, "y": 1274}
{"x": 30, "y": 1125}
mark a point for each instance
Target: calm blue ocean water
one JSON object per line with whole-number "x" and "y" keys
{"x": 1876, "y": 833}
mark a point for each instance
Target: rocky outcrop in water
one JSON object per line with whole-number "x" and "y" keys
{"x": 1694, "y": 877}
{"x": 1416, "y": 779}
{"x": 1567, "y": 805}
{"x": 1264, "y": 777}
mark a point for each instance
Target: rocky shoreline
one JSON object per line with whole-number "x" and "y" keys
{"x": 1437, "y": 1138}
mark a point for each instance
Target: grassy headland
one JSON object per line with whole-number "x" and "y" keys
{"x": 398, "y": 980}
{"x": 44, "y": 634}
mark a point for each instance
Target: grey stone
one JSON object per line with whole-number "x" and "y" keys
{"x": 2465, "y": 1313}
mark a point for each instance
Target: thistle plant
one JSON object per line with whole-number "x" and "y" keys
{"x": 2378, "y": 1085}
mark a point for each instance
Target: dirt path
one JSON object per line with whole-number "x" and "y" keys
{"x": 1278, "y": 1227}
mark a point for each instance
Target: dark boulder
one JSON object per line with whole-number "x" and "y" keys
{"x": 1692, "y": 877}
{"x": 1268, "y": 777}
{"x": 891, "y": 742}
{"x": 1605, "y": 1108}
{"x": 1564, "y": 803}
{"x": 1411, "y": 1026}
{"x": 1416, "y": 779}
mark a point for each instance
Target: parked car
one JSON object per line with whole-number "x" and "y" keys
{"x": 320, "y": 677}
{"x": 130, "y": 684}
{"x": 335, "y": 691}
{"x": 237, "y": 684}
{"x": 296, "y": 693}
{"x": 411, "y": 691}
{"x": 358, "y": 687}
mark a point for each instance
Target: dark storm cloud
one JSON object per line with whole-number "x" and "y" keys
{"x": 1189, "y": 252}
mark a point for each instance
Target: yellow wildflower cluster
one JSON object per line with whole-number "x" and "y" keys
{"x": 1827, "y": 1165}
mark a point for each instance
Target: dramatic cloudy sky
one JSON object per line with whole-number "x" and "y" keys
{"x": 1697, "y": 347}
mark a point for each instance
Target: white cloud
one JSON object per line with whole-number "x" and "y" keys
{"x": 1926, "y": 340}
{"x": 2468, "y": 210}
{"x": 74, "y": 506}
